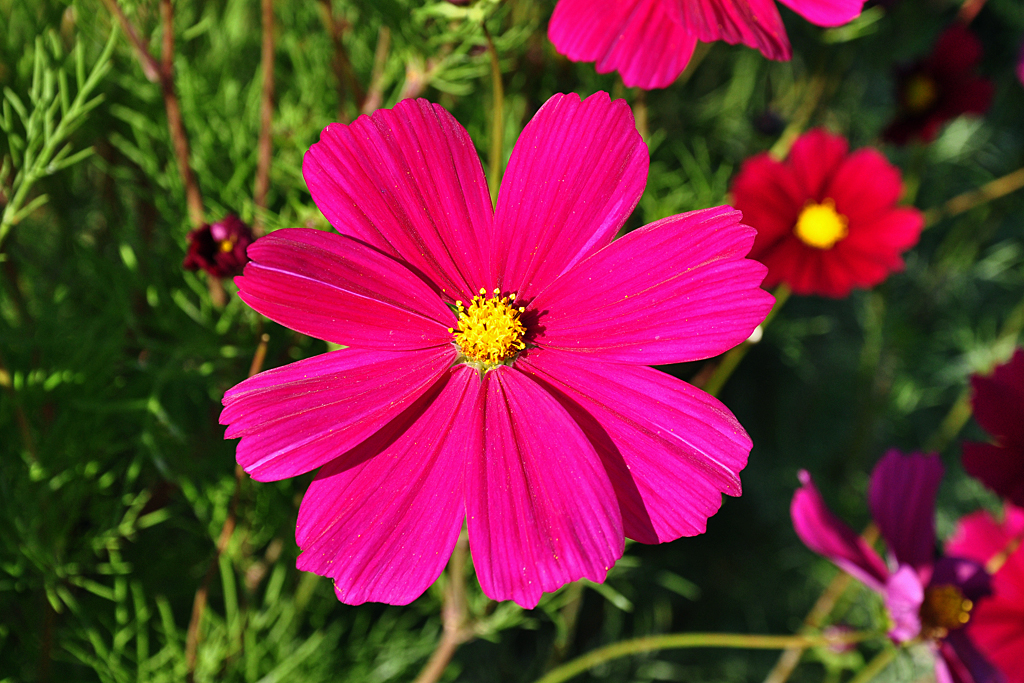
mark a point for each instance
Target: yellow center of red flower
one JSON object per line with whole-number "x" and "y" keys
{"x": 944, "y": 609}
{"x": 228, "y": 244}
{"x": 920, "y": 93}
{"x": 489, "y": 331}
{"x": 820, "y": 225}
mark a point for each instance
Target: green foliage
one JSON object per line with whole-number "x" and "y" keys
{"x": 115, "y": 481}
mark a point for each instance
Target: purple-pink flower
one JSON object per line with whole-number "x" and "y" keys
{"x": 495, "y": 375}
{"x": 998, "y": 402}
{"x": 649, "y": 42}
{"x": 927, "y": 598}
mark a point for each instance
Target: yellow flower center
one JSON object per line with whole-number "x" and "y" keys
{"x": 944, "y": 609}
{"x": 920, "y": 93}
{"x": 489, "y": 332}
{"x": 228, "y": 244}
{"x": 819, "y": 225}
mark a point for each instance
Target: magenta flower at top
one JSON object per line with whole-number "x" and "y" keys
{"x": 495, "y": 374}
{"x": 649, "y": 42}
{"x": 997, "y": 625}
{"x": 1020, "y": 65}
{"x": 927, "y": 598}
{"x": 999, "y": 408}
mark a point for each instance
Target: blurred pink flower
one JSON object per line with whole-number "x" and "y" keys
{"x": 827, "y": 219}
{"x": 219, "y": 248}
{"x": 1020, "y": 65}
{"x": 926, "y": 598}
{"x": 496, "y": 371}
{"x": 649, "y": 42}
{"x": 997, "y": 624}
{"x": 999, "y": 408}
{"x": 940, "y": 87}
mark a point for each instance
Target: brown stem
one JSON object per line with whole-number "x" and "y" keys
{"x": 162, "y": 72}
{"x": 344, "y": 74}
{"x": 150, "y": 67}
{"x": 179, "y": 138}
{"x": 375, "y": 93}
{"x": 199, "y": 602}
{"x": 264, "y": 147}
{"x": 969, "y": 10}
{"x": 454, "y": 616}
{"x": 994, "y": 189}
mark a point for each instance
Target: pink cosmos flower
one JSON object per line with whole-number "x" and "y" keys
{"x": 649, "y": 42}
{"x": 997, "y": 624}
{"x": 1020, "y": 65}
{"x": 495, "y": 375}
{"x": 999, "y": 408}
{"x": 827, "y": 219}
{"x": 926, "y": 598}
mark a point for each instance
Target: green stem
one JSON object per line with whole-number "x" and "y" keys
{"x": 875, "y": 666}
{"x": 497, "y": 121}
{"x": 689, "y": 640}
{"x": 736, "y": 354}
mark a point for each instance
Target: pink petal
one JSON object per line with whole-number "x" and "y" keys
{"x": 814, "y": 160}
{"x": 903, "y": 597}
{"x": 295, "y": 418}
{"x": 826, "y": 12}
{"x": 383, "y": 530}
{"x": 999, "y": 468}
{"x": 541, "y": 510}
{"x": 638, "y": 38}
{"x": 965, "y": 662}
{"x": 901, "y": 496}
{"x": 332, "y": 287}
{"x": 827, "y": 535}
{"x": 755, "y": 23}
{"x": 671, "y": 450}
{"x": 998, "y": 401}
{"x": 575, "y": 175}
{"x": 409, "y": 182}
{"x": 865, "y": 186}
{"x": 673, "y": 291}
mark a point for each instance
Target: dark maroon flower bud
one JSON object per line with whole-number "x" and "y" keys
{"x": 940, "y": 87}
{"x": 219, "y": 248}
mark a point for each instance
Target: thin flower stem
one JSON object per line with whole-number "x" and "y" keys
{"x": 375, "y": 93}
{"x": 497, "y": 120}
{"x": 162, "y": 72}
{"x": 265, "y": 144}
{"x": 699, "y": 53}
{"x": 1000, "y": 187}
{"x": 802, "y": 116}
{"x": 640, "y": 115}
{"x": 226, "y": 531}
{"x": 996, "y": 562}
{"x": 960, "y": 412}
{"x": 876, "y": 665}
{"x": 454, "y": 616}
{"x": 816, "y": 617}
{"x": 969, "y": 10}
{"x": 691, "y": 640}
{"x": 732, "y": 359}
{"x": 344, "y": 74}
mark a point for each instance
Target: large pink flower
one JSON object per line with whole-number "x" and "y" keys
{"x": 649, "y": 42}
{"x": 495, "y": 375}
{"x": 997, "y": 624}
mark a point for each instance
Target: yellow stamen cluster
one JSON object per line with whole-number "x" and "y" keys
{"x": 920, "y": 93}
{"x": 820, "y": 225}
{"x": 944, "y": 609}
{"x": 228, "y": 244}
{"x": 489, "y": 331}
